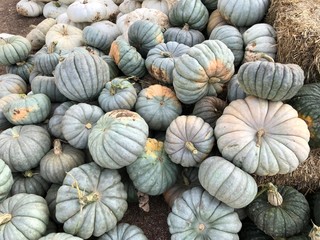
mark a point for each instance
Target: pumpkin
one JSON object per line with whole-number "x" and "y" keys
{"x": 281, "y": 203}
{"x": 226, "y": 182}
{"x": 64, "y": 19}
{"x": 29, "y": 143}
{"x": 158, "y": 105}
{"x": 197, "y": 214}
{"x": 202, "y": 71}
{"x": 183, "y": 35}
{"x": 215, "y": 20}
{"x": 14, "y": 49}
{"x": 124, "y": 231}
{"x": 29, "y": 181}
{"x": 53, "y": 9}
{"x": 127, "y": 6}
{"x": 306, "y": 103}
{"x": 51, "y": 200}
{"x": 250, "y": 231}
{"x": 160, "y": 60}
{"x": 11, "y": 83}
{"x": 22, "y": 69}
{"x": 90, "y": 201}
{"x": 6, "y": 180}
{"x": 118, "y": 138}
{"x": 144, "y": 35}
{"x": 114, "y": 71}
{"x": 4, "y": 123}
{"x": 59, "y": 236}
{"x": 234, "y": 91}
{"x": 153, "y": 172}
{"x": 23, "y": 216}
{"x": 188, "y": 140}
{"x": 77, "y": 123}
{"x": 29, "y": 8}
{"x": 269, "y": 80}
{"x": 28, "y": 109}
{"x": 210, "y": 4}
{"x": 59, "y": 160}
{"x": 127, "y": 58}
{"x": 262, "y": 137}
{"x": 81, "y": 76}
{"x": 191, "y": 12}
{"x": 162, "y": 5}
{"x": 243, "y": 13}
{"x": 117, "y": 94}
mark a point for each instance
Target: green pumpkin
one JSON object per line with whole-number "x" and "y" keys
{"x": 227, "y": 182}
{"x": 198, "y": 215}
{"x": 60, "y": 236}
{"x": 4, "y": 123}
{"x": 28, "y": 109}
{"x": 144, "y": 35}
{"x": 29, "y": 143}
{"x": 6, "y": 180}
{"x": 22, "y": 69}
{"x": 14, "y": 49}
{"x": 23, "y": 216}
{"x": 286, "y": 206}
{"x": 250, "y": 231}
{"x": 306, "y": 103}
{"x": 183, "y": 35}
{"x": 314, "y": 202}
{"x": 12, "y": 83}
{"x": 90, "y": 201}
{"x": 118, "y": 138}
{"x": 202, "y": 71}
{"x": 124, "y": 231}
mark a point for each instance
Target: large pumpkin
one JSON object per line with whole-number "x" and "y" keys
{"x": 262, "y": 137}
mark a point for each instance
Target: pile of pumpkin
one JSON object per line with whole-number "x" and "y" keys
{"x": 107, "y": 102}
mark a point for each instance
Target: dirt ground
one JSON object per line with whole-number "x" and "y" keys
{"x": 153, "y": 223}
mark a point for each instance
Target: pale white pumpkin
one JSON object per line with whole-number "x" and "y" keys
{"x": 129, "y": 5}
{"x": 53, "y": 9}
{"x": 66, "y": 36}
{"x": 28, "y": 8}
{"x": 113, "y": 9}
{"x": 161, "y": 5}
{"x": 64, "y": 19}
{"x": 5, "y": 35}
{"x": 67, "y": 2}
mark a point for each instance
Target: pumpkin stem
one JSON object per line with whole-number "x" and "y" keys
{"x": 201, "y": 227}
{"x": 166, "y": 54}
{"x": 266, "y": 57}
{"x": 214, "y": 80}
{"x": 52, "y": 47}
{"x": 28, "y": 174}
{"x": 90, "y": 198}
{"x": 259, "y": 134}
{"x": 314, "y": 234}
{"x": 57, "y": 147}
{"x": 57, "y": 4}
{"x": 20, "y": 63}
{"x": 274, "y": 197}
{"x": 88, "y": 126}
{"x": 15, "y": 134}
{"x": 64, "y": 30}
{"x": 5, "y": 218}
{"x": 186, "y": 27}
{"x": 191, "y": 147}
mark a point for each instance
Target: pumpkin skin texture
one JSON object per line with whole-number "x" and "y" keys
{"x": 91, "y": 201}
{"x": 227, "y": 182}
{"x": 272, "y": 81}
{"x": 306, "y": 103}
{"x": 262, "y": 137}
{"x": 27, "y": 217}
{"x": 22, "y": 69}
{"x": 59, "y": 160}
{"x": 4, "y": 123}
{"x": 198, "y": 215}
{"x": 158, "y": 105}
{"x": 287, "y": 218}
{"x": 29, "y": 144}
{"x": 14, "y": 49}
{"x": 6, "y": 180}
{"x": 29, "y": 109}
{"x": 114, "y": 71}
{"x": 124, "y": 231}
{"x": 153, "y": 172}
{"x": 202, "y": 71}
{"x": 60, "y": 236}
{"x": 51, "y": 200}
{"x": 160, "y": 60}
{"x": 184, "y": 35}
{"x": 234, "y": 90}
{"x": 188, "y": 140}
{"x": 81, "y": 76}
{"x": 118, "y": 138}
{"x": 28, "y": 8}
{"x": 243, "y": 13}
{"x": 12, "y": 83}
{"x": 215, "y": 20}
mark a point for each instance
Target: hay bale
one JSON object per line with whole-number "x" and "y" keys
{"x": 297, "y": 23}
{"x": 306, "y": 178}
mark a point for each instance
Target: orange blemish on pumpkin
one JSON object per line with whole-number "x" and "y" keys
{"x": 160, "y": 38}
{"x": 22, "y": 113}
{"x": 160, "y": 73}
{"x": 218, "y": 72}
{"x": 152, "y": 147}
{"x": 115, "y": 52}
{"x": 310, "y": 124}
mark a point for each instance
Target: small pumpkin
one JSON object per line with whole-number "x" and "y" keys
{"x": 29, "y": 8}
{"x": 124, "y": 231}
{"x": 6, "y": 180}
{"x": 184, "y": 35}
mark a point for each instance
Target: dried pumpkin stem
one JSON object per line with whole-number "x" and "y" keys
{"x": 201, "y": 227}
{"x": 266, "y": 57}
{"x": 166, "y": 54}
{"x": 90, "y": 198}
{"x": 259, "y": 135}
{"x": 191, "y": 147}
{"x": 57, "y": 147}
{"x": 314, "y": 234}
{"x": 5, "y": 218}
{"x": 20, "y": 63}
{"x": 186, "y": 27}
{"x": 28, "y": 174}
{"x": 57, "y": 4}
{"x": 52, "y": 47}
{"x": 88, "y": 126}
{"x": 274, "y": 197}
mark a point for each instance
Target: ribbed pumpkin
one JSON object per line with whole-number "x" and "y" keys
{"x": 6, "y": 180}
{"x": 118, "y": 138}
{"x": 22, "y": 147}
{"x": 14, "y": 49}
{"x": 144, "y": 35}
{"x": 22, "y": 69}
{"x": 23, "y": 216}
{"x": 77, "y": 123}
{"x": 306, "y": 103}
{"x": 114, "y": 71}
{"x": 153, "y": 172}
{"x": 28, "y": 109}
{"x": 269, "y": 80}
{"x": 91, "y": 201}
{"x": 28, "y": 8}
{"x": 12, "y": 83}
{"x": 288, "y": 208}
{"x": 160, "y": 60}
{"x": 124, "y": 231}
{"x": 127, "y": 58}
{"x": 119, "y": 93}
{"x": 60, "y": 236}
{"x": 184, "y": 35}
{"x": 158, "y": 105}
{"x": 4, "y": 123}
{"x": 81, "y": 76}
{"x": 202, "y": 71}
{"x": 262, "y": 137}
{"x": 188, "y": 140}
{"x": 198, "y": 215}
{"x": 215, "y": 20}
{"x": 234, "y": 91}
{"x": 51, "y": 200}
{"x": 59, "y": 160}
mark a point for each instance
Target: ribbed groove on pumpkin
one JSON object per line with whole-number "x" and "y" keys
{"x": 5, "y": 218}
